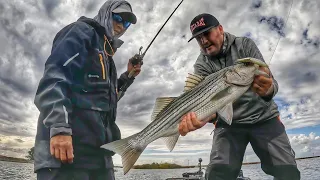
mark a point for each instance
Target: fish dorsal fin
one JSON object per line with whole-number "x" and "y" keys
{"x": 161, "y": 103}
{"x": 192, "y": 81}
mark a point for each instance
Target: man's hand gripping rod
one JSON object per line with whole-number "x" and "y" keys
{"x": 138, "y": 58}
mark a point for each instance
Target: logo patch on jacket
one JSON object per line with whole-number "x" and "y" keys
{"x": 93, "y": 76}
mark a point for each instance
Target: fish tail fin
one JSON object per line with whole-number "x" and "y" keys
{"x": 129, "y": 150}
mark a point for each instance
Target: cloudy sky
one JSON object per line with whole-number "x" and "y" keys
{"x": 27, "y": 29}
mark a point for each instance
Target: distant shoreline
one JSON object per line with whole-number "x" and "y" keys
{"x": 249, "y": 163}
{"x": 296, "y": 159}
{"x": 12, "y": 159}
{"x": 21, "y": 160}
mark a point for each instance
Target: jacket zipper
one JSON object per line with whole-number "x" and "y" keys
{"x": 102, "y": 67}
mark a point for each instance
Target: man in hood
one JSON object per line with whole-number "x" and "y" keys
{"x": 78, "y": 94}
{"x": 255, "y": 114}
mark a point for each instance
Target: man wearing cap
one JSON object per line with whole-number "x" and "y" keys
{"x": 77, "y": 97}
{"x": 255, "y": 114}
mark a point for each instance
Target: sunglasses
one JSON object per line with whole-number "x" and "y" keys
{"x": 119, "y": 19}
{"x": 205, "y": 34}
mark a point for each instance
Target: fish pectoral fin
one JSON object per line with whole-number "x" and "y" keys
{"x": 171, "y": 141}
{"x": 129, "y": 153}
{"x": 226, "y": 113}
{"x": 192, "y": 81}
{"x": 161, "y": 103}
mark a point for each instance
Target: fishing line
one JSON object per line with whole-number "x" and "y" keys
{"x": 280, "y": 35}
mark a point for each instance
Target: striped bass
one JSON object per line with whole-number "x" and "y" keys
{"x": 205, "y": 96}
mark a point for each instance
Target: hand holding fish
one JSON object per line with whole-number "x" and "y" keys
{"x": 262, "y": 84}
{"x": 190, "y": 123}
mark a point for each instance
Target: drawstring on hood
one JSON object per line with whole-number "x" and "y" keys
{"x": 104, "y": 18}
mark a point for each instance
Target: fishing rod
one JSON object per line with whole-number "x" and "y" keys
{"x": 138, "y": 58}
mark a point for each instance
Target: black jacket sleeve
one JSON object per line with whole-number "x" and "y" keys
{"x": 123, "y": 83}
{"x": 69, "y": 52}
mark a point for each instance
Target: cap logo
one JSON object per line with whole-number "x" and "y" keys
{"x": 199, "y": 23}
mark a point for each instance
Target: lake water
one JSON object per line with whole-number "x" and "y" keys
{"x": 309, "y": 168}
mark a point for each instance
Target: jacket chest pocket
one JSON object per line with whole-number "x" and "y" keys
{"x": 97, "y": 71}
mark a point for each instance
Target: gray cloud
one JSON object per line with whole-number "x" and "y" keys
{"x": 50, "y": 6}
{"x": 256, "y": 4}
{"x": 274, "y": 23}
{"x": 29, "y": 29}
{"x": 19, "y": 140}
{"x": 1, "y": 8}
{"x": 307, "y": 41}
{"x": 89, "y": 6}
{"x": 17, "y": 14}
{"x": 304, "y": 72}
{"x": 16, "y": 129}
{"x": 24, "y": 53}
{"x": 21, "y": 60}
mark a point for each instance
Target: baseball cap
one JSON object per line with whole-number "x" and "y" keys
{"x": 126, "y": 13}
{"x": 202, "y": 23}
